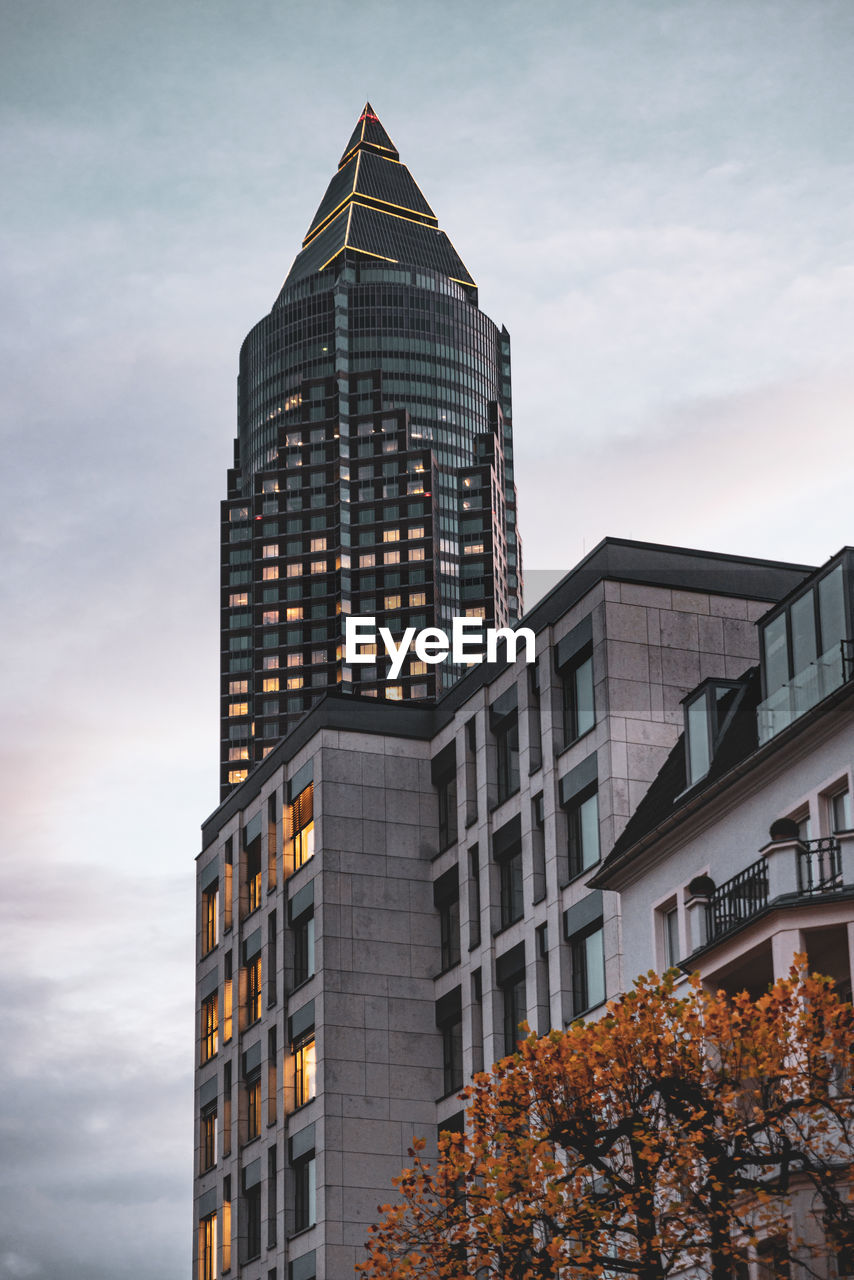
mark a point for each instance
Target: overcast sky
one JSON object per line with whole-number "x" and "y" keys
{"x": 655, "y": 196}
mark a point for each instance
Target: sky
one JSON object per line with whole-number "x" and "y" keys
{"x": 653, "y": 195}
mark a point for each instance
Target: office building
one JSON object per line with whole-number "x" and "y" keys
{"x": 373, "y": 465}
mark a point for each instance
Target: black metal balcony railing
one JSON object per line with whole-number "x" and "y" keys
{"x": 738, "y": 899}
{"x": 819, "y": 866}
{"x": 745, "y": 895}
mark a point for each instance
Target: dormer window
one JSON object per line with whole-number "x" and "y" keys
{"x": 805, "y": 642}
{"x": 708, "y": 711}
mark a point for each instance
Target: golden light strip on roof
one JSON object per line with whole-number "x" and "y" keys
{"x": 422, "y": 219}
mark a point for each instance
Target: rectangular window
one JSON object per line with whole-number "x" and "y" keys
{"x": 303, "y": 931}
{"x": 588, "y": 969}
{"x": 302, "y": 826}
{"x": 238, "y": 686}
{"x": 238, "y": 708}
{"x": 253, "y": 990}
{"x": 446, "y": 790}
{"x": 253, "y": 1108}
{"x": 577, "y": 697}
{"x": 210, "y": 914}
{"x": 228, "y": 1001}
{"x": 452, "y": 1055}
{"x": 252, "y": 1203}
{"x": 515, "y": 1011}
{"x": 317, "y": 544}
{"x": 840, "y": 811}
{"x": 226, "y": 1224}
{"x": 253, "y": 874}
{"x": 670, "y": 935}
{"x": 270, "y": 550}
{"x": 507, "y": 756}
{"x": 512, "y": 900}
{"x": 208, "y": 1135}
{"x": 269, "y": 572}
{"x": 305, "y": 1071}
{"x": 207, "y": 1248}
{"x": 582, "y": 821}
{"x": 391, "y": 535}
{"x": 305, "y": 1207}
{"x": 210, "y": 1027}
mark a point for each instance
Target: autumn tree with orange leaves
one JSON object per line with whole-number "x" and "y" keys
{"x": 678, "y": 1132}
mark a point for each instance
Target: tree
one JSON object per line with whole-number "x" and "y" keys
{"x": 681, "y": 1129}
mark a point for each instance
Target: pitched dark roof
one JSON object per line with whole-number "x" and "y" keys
{"x": 669, "y": 791}
{"x": 373, "y": 208}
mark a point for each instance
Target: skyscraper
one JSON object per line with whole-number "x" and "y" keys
{"x": 373, "y": 467}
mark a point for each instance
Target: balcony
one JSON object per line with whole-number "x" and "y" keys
{"x": 805, "y": 690}
{"x": 789, "y": 873}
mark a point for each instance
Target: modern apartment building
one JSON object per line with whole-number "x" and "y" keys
{"x": 396, "y": 887}
{"x": 373, "y": 465}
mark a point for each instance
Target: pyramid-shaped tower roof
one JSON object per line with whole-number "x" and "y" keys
{"x": 374, "y": 208}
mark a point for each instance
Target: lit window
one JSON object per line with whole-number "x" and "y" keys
{"x": 237, "y": 775}
{"x": 270, "y": 571}
{"x": 294, "y": 614}
{"x": 317, "y": 544}
{"x": 473, "y": 549}
{"x": 253, "y": 1108}
{"x": 241, "y": 598}
{"x": 238, "y": 686}
{"x": 391, "y": 535}
{"x": 416, "y": 553}
{"x": 210, "y": 1027}
{"x": 210, "y": 908}
{"x": 294, "y": 570}
{"x": 417, "y": 668}
{"x": 207, "y": 1248}
{"x": 226, "y": 1226}
{"x": 476, "y": 613}
{"x": 393, "y": 692}
{"x": 417, "y": 531}
{"x": 253, "y": 990}
{"x": 318, "y": 655}
{"x": 295, "y": 682}
{"x": 294, "y": 659}
{"x": 417, "y": 598}
{"x": 271, "y": 663}
{"x": 228, "y": 1003}
{"x": 238, "y": 708}
{"x": 392, "y": 602}
{"x": 305, "y": 1072}
{"x": 302, "y": 825}
{"x": 238, "y": 753}
{"x": 366, "y": 561}
{"x": 270, "y": 618}
{"x": 318, "y": 566}
{"x": 271, "y": 684}
{"x": 269, "y": 550}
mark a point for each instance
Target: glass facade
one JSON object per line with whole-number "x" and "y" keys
{"x": 373, "y": 467}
